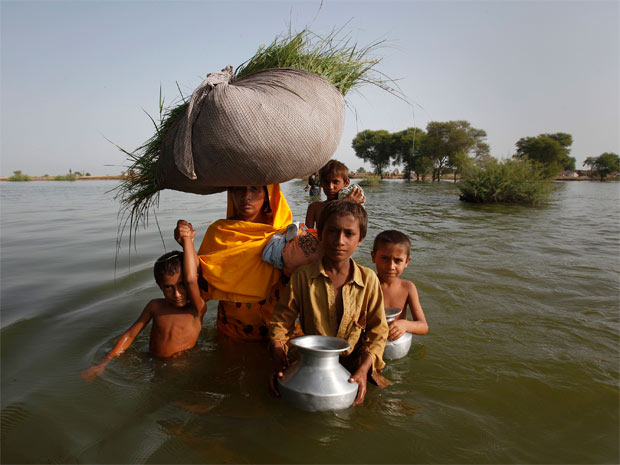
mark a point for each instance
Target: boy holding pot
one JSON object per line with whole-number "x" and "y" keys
{"x": 335, "y": 296}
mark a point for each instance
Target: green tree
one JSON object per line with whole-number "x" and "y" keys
{"x": 461, "y": 163}
{"x": 19, "y": 176}
{"x": 551, "y": 150}
{"x": 606, "y": 164}
{"x": 406, "y": 151}
{"x": 446, "y": 142}
{"x": 361, "y": 170}
{"x": 374, "y": 147}
{"x": 590, "y": 161}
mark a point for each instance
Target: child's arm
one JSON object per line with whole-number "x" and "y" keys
{"x": 190, "y": 266}
{"x": 179, "y": 239}
{"x": 356, "y": 195}
{"x": 360, "y": 377}
{"x": 403, "y": 325}
{"x": 311, "y": 216}
{"x": 123, "y": 342}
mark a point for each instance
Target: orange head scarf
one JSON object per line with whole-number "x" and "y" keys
{"x": 231, "y": 252}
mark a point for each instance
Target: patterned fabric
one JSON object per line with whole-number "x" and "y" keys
{"x": 248, "y": 321}
{"x": 304, "y": 249}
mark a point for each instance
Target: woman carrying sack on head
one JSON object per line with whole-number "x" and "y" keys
{"x": 231, "y": 264}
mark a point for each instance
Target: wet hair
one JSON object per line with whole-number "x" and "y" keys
{"x": 342, "y": 208}
{"x": 168, "y": 264}
{"x": 391, "y": 236}
{"x": 333, "y": 169}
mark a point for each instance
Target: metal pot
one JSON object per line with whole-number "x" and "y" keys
{"x": 317, "y": 381}
{"x": 400, "y": 347}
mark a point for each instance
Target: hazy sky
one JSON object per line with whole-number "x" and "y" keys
{"x": 74, "y": 72}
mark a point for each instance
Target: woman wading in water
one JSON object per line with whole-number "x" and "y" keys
{"x": 231, "y": 266}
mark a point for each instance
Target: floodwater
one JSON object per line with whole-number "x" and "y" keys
{"x": 521, "y": 364}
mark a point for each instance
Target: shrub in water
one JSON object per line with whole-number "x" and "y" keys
{"x": 370, "y": 180}
{"x": 509, "y": 181}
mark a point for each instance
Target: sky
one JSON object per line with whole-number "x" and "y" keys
{"x": 76, "y": 75}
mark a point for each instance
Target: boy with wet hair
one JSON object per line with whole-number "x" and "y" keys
{"x": 391, "y": 255}
{"x": 177, "y": 317}
{"x": 335, "y": 296}
{"x": 334, "y": 177}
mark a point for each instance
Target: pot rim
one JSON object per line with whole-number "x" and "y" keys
{"x": 321, "y": 344}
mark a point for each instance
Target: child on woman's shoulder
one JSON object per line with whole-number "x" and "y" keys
{"x": 334, "y": 177}
{"x": 177, "y": 317}
{"x": 391, "y": 255}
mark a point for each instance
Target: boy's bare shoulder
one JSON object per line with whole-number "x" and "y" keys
{"x": 157, "y": 305}
{"x": 408, "y": 285}
{"x": 316, "y": 205}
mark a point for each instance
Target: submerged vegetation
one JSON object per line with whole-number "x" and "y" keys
{"x": 65, "y": 177}
{"x": 508, "y": 181}
{"x": 370, "y": 180}
{"x": 335, "y": 57}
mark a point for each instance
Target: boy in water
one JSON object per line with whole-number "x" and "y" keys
{"x": 314, "y": 184}
{"x": 390, "y": 254}
{"x": 335, "y": 296}
{"x": 334, "y": 177}
{"x": 177, "y": 318}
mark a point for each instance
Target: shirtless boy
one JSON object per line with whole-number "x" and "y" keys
{"x": 391, "y": 255}
{"x": 334, "y": 177}
{"x": 335, "y": 296}
{"x": 177, "y": 318}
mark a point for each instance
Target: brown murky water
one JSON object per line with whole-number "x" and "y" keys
{"x": 520, "y": 365}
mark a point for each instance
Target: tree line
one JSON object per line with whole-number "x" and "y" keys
{"x": 451, "y": 145}
{"x": 456, "y": 147}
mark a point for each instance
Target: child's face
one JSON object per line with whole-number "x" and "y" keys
{"x": 390, "y": 261}
{"x": 173, "y": 287}
{"x": 248, "y": 201}
{"x": 340, "y": 237}
{"x": 332, "y": 186}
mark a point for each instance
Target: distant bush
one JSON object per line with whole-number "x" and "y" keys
{"x": 87, "y": 174}
{"x": 370, "y": 180}
{"x": 65, "y": 177}
{"x": 510, "y": 181}
{"x": 18, "y": 176}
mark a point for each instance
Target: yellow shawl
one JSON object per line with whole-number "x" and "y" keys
{"x": 231, "y": 253}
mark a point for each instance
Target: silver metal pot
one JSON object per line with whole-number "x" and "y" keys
{"x": 400, "y": 347}
{"x": 317, "y": 381}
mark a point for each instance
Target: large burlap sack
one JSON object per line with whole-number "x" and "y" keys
{"x": 268, "y": 127}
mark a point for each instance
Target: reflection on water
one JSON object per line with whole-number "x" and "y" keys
{"x": 520, "y": 364}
